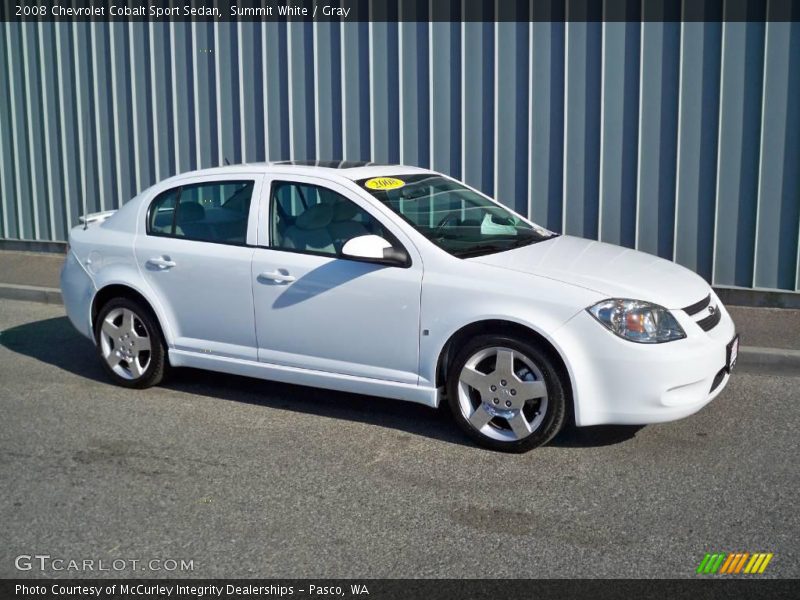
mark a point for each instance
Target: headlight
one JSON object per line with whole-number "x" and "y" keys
{"x": 637, "y": 321}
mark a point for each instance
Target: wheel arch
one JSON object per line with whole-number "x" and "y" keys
{"x": 510, "y": 328}
{"x": 113, "y": 290}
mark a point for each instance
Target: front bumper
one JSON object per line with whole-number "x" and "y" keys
{"x": 616, "y": 381}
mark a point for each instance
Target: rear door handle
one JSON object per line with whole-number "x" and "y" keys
{"x": 161, "y": 263}
{"x": 277, "y": 276}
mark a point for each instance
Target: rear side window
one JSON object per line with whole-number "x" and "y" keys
{"x": 206, "y": 212}
{"x": 162, "y": 213}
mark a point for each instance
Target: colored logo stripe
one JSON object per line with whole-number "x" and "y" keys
{"x": 711, "y": 563}
{"x": 733, "y": 563}
{"x": 728, "y": 562}
{"x": 758, "y": 563}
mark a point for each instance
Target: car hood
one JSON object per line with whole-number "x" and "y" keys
{"x": 610, "y": 270}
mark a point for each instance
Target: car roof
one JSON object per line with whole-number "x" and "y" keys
{"x": 349, "y": 169}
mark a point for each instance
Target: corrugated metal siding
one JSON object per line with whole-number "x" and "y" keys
{"x": 680, "y": 139}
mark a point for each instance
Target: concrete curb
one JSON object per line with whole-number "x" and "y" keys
{"x": 759, "y": 357}
{"x": 30, "y": 293}
{"x": 749, "y": 356}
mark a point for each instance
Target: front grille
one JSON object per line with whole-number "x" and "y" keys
{"x": 718, "y": 379}
{"x": 711, "y": 321}
{"x": 695, "y": 308}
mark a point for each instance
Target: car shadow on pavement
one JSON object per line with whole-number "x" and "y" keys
{"x": 55, "y": 342}
{"x": 594, "y": 436}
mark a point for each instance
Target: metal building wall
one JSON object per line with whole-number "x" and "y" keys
{"x": 680, "y": 139}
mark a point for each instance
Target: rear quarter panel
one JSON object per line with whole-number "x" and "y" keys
{"x": 106, "y": 251}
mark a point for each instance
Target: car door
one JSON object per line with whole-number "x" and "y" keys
{"x": 315, "y": 309}
{"x": 195, "y": 252}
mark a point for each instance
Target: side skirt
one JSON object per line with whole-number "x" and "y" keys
{"x": 321, "y": 379}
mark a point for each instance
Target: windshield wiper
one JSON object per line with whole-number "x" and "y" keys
{"x": 481, "y": 249}
{"x": 527, "y": 242}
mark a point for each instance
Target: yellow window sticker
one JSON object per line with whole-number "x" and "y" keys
{"x": 384, "y": 183}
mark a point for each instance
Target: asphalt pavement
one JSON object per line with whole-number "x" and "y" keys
{"x": 250, "y": 478}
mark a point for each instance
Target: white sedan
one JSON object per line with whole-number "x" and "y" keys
{"x": 399, "y": 282}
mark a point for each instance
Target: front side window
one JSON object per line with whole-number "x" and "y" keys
{"x": 452, "y": 216}
{"x": 206, "y": 212}
{"x": 317, "y": 220}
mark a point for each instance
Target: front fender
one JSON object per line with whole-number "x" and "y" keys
{"x": 451, "y": 302}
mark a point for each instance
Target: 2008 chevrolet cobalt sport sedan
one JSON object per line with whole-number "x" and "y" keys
{"x": 394, "y": 281}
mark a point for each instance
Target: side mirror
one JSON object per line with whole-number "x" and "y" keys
{"x": 375, "y": 248}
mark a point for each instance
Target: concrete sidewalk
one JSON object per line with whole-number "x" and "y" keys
{"x": 770, "y": 336}
{"x": 30, "y": 276}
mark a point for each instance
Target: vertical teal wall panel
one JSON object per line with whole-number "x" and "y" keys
{"x": 739, "y": 141}
{"x": 779, "y": 180}
{"x": 546, "y": 166}
{"x": 183, "y": 94}
{"x": 7, "y": 169}
{"x": 384, "y": 93}
{"x": 511, "y": 156}
{"x": 356, "y": 75}
{"x": 125, "y": 172}
{"x": 582, "y": 128}
{"x": 227, "y": 73}
{"x": 620, "y": 132}
{"x": 658, "y": 133}
{"x": 327, "y": 48}
{"x": 33, "y": 124}
{"x": 49, "y": 115}
{"x": 205, "y": 96}
{"x": 698, "y": 131}
{"x": 141, "y": 108}
{"x": 18, "y": 95}
{"x": 103, "y": 116}
{"x": 89, "y": 158}
{"x": 250, "y": 92}
{"x": 445, "y": 69}
{"x": 414, "y": 95}
{"x": 71, "y": 201}
{"x": 160, "y": 90}
{"x": 302, "y": 118}
{"x": 54, "y": 158}
{"x": 275, "y": 42}
{"x": 679, "y": 139}
{"x": 478, "y": 105}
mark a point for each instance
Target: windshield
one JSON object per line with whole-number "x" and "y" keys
{"x": 452, "y": 216}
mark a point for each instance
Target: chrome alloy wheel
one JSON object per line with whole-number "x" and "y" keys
{"x": 125, "y": 343}
{"x": 502, "y": 394}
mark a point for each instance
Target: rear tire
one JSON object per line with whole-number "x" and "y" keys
{"x": 130, "y": 344}
{"x": 506, "y": 394}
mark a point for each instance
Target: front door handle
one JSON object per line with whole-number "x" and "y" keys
{"x": 161, "y": 262}
{"x": 277, "y": 276}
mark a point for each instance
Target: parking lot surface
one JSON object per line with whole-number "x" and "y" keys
{"x": 248, "y": 478}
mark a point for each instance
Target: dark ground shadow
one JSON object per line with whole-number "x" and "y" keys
{"x": 55, "y": 342}
{"x": 595, "y": 436}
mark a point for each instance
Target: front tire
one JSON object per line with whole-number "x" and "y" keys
{"x": 130, "y": 344}
{"x": 506, "y": 394}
